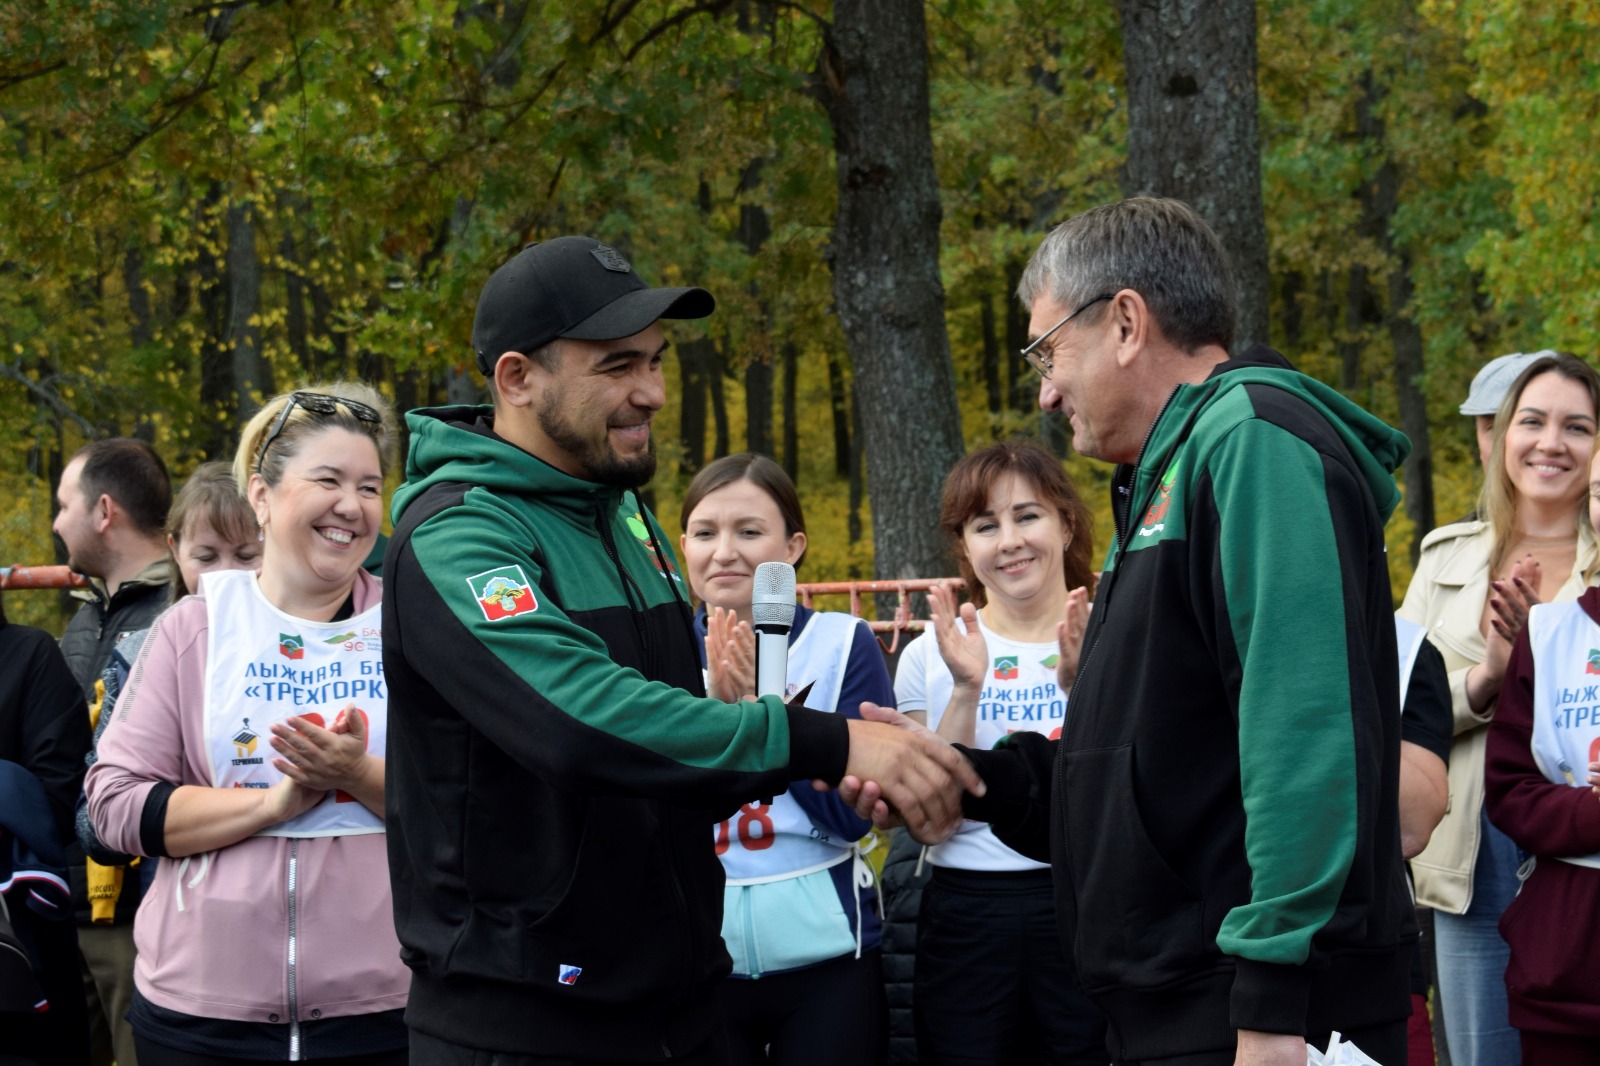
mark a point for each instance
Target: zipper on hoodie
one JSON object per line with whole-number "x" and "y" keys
{"x": 632, "y": 592}
{"x": 294, "y": 997}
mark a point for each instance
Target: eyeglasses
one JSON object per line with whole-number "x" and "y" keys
{"x": 318, "y": 403}
{"x": 1039, "y": 360}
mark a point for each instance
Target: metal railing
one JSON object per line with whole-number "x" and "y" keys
{"x": 40, "y": 577}
{"x": 901, "y": 622}
{"x": 60, "y": 577}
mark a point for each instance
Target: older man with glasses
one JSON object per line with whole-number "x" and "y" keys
{"x": 1221, "y": 808}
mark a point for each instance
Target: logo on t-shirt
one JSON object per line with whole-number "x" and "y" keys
{"x": 1593, "y": 665}
{"x": 503, "y": 593}
{"x": 291, "y": 646}
{"x": 244, "y": 743}
{"x": 1005, "y": 668}
{"x": 568, "y": 975}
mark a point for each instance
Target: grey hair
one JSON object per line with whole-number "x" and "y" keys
{"x": 1160, "y": 249}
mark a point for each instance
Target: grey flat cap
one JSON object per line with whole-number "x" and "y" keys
{"x": 1490, "y": 385}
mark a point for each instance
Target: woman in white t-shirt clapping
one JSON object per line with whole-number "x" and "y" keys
{"x": 993, "y": 983}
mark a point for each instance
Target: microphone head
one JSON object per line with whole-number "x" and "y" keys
{"x": 772, "y": 598}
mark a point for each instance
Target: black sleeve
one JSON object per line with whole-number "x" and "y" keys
{"x": 55, "y": 726}
{"x": 1016, "y": 803}
{"x": 1425, "y": 717}
{"x": 153, "y": 819}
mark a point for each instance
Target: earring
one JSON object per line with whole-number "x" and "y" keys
{"x": 261, "y": 535}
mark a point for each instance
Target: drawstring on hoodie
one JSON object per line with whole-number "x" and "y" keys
{"x": 688, "y": 611}
{"x": 183, "y": 868}
{"x": 637, "y": 604}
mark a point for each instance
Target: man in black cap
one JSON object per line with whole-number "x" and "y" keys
{"x": 554, "y": 766}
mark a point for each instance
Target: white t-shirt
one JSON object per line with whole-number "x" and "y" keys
{"x": 1020, "y": 694}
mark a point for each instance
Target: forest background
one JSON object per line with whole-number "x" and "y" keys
{"x": 211, "y": 202}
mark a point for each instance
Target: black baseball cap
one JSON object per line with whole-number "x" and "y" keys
{"x": 571, "y": 287}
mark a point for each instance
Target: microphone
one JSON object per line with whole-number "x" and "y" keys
{"x": 772, "y": 615}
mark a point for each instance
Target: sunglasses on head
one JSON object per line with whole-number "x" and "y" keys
{"x": 317, "y": 403}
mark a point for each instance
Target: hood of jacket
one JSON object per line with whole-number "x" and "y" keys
{"x": 458, "y": 444}
{"x": 1377, "y": 448}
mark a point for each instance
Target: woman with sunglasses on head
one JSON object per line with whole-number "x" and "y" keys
{"x": 799, "y": 915}
{"x": 993, "y": 984}
{"x": 247, "y": 750}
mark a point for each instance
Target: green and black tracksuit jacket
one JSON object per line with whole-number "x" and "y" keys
{"x": 554, "y": 769}
{"x": 1222, "y": 808}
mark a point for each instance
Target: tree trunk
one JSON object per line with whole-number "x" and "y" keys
{"x": 1193, "y": 132}
{"x": 991, "y": 365}
{"x": 839, "y": 400}
{"x": 1380, "y": 198}
{"x": 791, "y": 423}
{"x": 251, "y": 377}
{"x": 872, "y": 77}
{"x": 461, "y": 386}
{"x": 1021, "y": 382}
{"x": 216, "y": 369}
{"x": 140, "y": 329}
{"x": 1408, "y": 370}
{"x": 758, "y": 406}
{"x": 715, "y": 368}
{"x": 294, "y": 289}
{"x": 694, "y": 358}
{"x": 1360, "y": 311}
{"x": 754, "y": 229}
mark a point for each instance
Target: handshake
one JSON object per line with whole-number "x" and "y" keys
{"x": 901, "y": 773}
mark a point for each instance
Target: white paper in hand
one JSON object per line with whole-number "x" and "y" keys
{"x": 1339, "y": 1053}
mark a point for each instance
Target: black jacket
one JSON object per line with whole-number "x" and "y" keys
{"x": 87, "y": 645}
{"x": 554, "y": 770}
{"x": 43, "y": 725}
{"x": 1221, "y": 811}
{"x": 94, "y": 630}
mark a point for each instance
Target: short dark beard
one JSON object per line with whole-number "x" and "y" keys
{"x": 600, "y": 464}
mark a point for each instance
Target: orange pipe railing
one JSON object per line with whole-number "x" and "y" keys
{"x": 902, "y": 620}
{"x": 40, "y": 577}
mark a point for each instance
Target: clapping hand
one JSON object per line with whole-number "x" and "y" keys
{"x": 730, "y": 656}
{"x": 1069, "y": 636}
{"x": 323, "y": 759}
{"x": 965, "y": 654}
{"x": 1509, "y": 603}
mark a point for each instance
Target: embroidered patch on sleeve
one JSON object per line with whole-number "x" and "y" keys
{"x": 503, "y": 593}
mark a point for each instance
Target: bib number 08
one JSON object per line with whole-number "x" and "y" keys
{"x": 752, "y": 825}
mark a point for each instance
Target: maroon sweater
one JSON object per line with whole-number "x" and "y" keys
{"x": 1553, "y": 926}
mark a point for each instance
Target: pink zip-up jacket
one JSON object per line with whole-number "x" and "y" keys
{"x": 214, "y": 933}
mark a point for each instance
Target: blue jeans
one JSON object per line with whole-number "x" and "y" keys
{"x": 1472, "y": 960}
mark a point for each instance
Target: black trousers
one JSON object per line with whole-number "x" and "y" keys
{"x": 993, "y": 986}
{"x": 1382, "y": 1043}
{"x": 835, "y": 1013}
{"x": 60, "y": 1035}
{"x": 431, "y": 1051}
{"x": 153, "y": 1054}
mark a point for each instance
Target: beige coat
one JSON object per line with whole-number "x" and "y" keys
{"x": 1447, "y": 596}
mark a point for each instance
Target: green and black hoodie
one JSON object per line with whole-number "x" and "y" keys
{"x": 1222, "y": 808}
{"x": 554, "y": 769}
